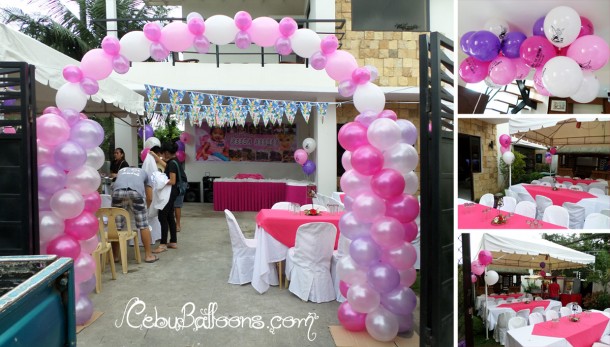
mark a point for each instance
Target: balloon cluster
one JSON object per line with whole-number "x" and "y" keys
{"x": 507, "y": 156}
{"x": 301, "y": 156}
{"x": 477, "y": 268}
{"x": 542, "y": 266}
{"x": 68, "y": 160}
{"x": 146, "y": 131}
{"x": 380, "y": 220}
{"x": 563, "y": 50}
{"x": 184, "y": 139}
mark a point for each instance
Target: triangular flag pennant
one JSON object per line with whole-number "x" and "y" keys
{"x": 322, "y": 109}
{"x": 197, "y": 99}
{"x": 305, "y": 108}
{"x": 290, "y": 110}
{"x": 216, "y": 103}
{"x": 153, "y": 93}
{"x": 254, "y": 108}
{"x": 149, "y": 107}
{"x": 268, "y": 114}
{"x": 165, "y": 110}
{"x": 175, "y": 97}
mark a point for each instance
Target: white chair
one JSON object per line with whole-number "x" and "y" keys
{"x": 546, "y": 184}
{"x": 526, "y": 197}
{"x": 565, "y": 311}
{"x": 536, "y": 318}
{"x": 525, "y": 313}
{"x": 509, "y": 204}
{"x": 607, "y": 310}
{"x": 577, "y": 187}
{"x": 542, "y": 202}
{"x": 599, "y": 344}
{"x": 331, "y": 201}
{"x": 597, "y": 221}
{"x": 539, "y": 310}
{"x": 308, "y": 263}
{"x": 512, "y": 194}
{"x": 487, "y": 200}
{"x": 320, "y": 199}
{"x": 526, "y": 208}
{"x": 600, "y": 185}
{"x": 574, "y": 307}
{"x": 516, "y": 322}
{"x": 600, "y": 179}
{"x": 557, "y": 215}
{"x": 500, "y": 301}
{"x": 560, "y": 185}
{"x": 535, "y": 182}
{"x": 577, "y": 214}
{"x": 517, "y": 300}
{"x": 551, "y": 314}
{"x": 314, "y": 206}
{"x": 597, "y": 192}
{"x": 567, "y": 184}
{"x": 282, "y": 205}
{"x": 538, "y": 299}
{"x": 584, "y": 186}
{"x": 605, "y": 212}
{"x": 342, "y": 250}
{"x": 243, "y": 252}
{"x": 547, "y": 179}
{"x": 502, "y": 326}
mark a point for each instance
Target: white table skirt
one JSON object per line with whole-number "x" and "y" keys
{"x": 494, "y": 312}
{"x": 268, "y": 252}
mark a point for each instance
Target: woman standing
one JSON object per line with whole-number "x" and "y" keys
{"x": 166, "y": 215}
{"x": 118, "y": 163}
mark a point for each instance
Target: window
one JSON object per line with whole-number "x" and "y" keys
{"x": 390, "y": 15}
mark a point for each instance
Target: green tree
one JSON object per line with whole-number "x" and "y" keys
{"x": 517, "y": 168}
{"x": 601, "y": 272}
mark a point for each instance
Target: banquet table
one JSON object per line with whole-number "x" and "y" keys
{"x": 473, "y": 217}
{"x": 575, "y": 181}
{"x": 275, "y": 234}
{"x": 493, "y": 297}
{"x": 256, "y": 194}
{"x": 591, "y": 203}
{"x": 589, "y": 329}
{"x": 495, "y": 311}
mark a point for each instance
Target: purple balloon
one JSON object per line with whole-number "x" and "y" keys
{"x": 87, "y": 133}
{"x": 366, "y": 118}
{"x": 347, "y": 88}
{"x": 84, "y": 310}
{"x": 283, "y": 46}
{"x": 51, "y": 178}
{"x": 309, "y": 167}
{"x": 158, "y": 52}
{"x": 538, "y": 29}
{"x": 512, "y": 43}
{"x": 70, "y": 155}
{"x": 484, "y": 45}
{"x": 120, "y": 64}
{"x": 364, "y": 251}
{"x": 400, "y": 301}
{"x": 87, "y": 286}
{"x": 242, "y": 40}
{"x": 405, "y": 323}
{"x": 465, "y": 42}
{"x": 318, "y": 61}
{"x": 542, "y": 265}
{"x": 148, "y": 129}
{"x": 351, "y": 228}
{"x": 201, "y": 44}
{"x": 71, "y": 116}
{"x": 89, "y": 86}
{"x": 383, "y": 278}
{"x": 180, "y": 145}
{"x": 408, "y": 131}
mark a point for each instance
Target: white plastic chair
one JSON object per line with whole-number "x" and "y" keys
{"x": 342, "y": 250}
{"x": 542, "y": 202}
{"x": 512, "y": 194}
{"x": 577, "y": 214}
{"x": 565, "y": 311}
{"x": 282, "y": 205}
{"x": 536, "y": 318}
{"x": 605, "y": 212}
{"x": 546, "y": 184}
{"x": 597, "y": 221}
{"x": 535, "y": 182}
{"x": 526, "y": 208}
{"x": 502, "y": 326}
{"x": 516, "y": 322}
{"x": 597, "y": 192}
{"x": 243, "y": 252}
{"x": 308, "y": 263}
{"x": 551, "y": 314}
{"x": 315, "y": 206}
{"x": 577, "y": 187}
{"x": 556, "y": 215}
{"x": 487, "y": 200}
{"x": 526, "y": 197}
{"x": 509, "y": 204}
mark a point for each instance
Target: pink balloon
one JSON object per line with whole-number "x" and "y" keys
{"x": 352, "y": 135}
{"x": 387, "y": 232}
{"x": 64, "y": 246}
{"x": 350, "y": 319}
{"x": 242, "y": 40}
{"x": 152, "y": 31}
{"x": 477, "y": 268}
{"x": 181, "y": 156}
{"x": 553, "y": 150}
{"x": 367, "y": 207}
{"x": 283, "y": 46}
{"x": 354, "y": 183}
{"x": 176, "y": 37}
{"x": 83, "y": 309}
{"x": 144, "y": 153}
{"x": 402, "y": 257}
{"x": 502, "y": 71}
{"x": 287, "y": 26}
{"x": 96, "y": 64}
{"x": 93, "y": 202}
{"x": 347, "y": 88}
{"x": 89, "y": 245}
{"x": 522, "y": 69}
{"x": 52, "y": 129}
{"x": 196, "y": 26}
{"x": 67, "y": 203}
{"x": 158, "y": 51}
{"x": 243, "y": 20}
{"x": 410, "y": 231}
{"x": 71, "y": 116}
{"x": 388, "y": 183}
{"x": 300, "y": 156}
{"x": 361, "y": 75}
{"x": 472, "y": 70}
{"x": 366, "y": 118}
{"x": 586, "y": 27}
{"x": 404, "y": 207}
{"x": 504, "y": 149}
{"x": 367, "y": 160}
{"x": 72, "y": 73}
{"x": 84, "y": 267}
{"x": 318, "y": 61}
{"x": 407, "y": 277}
{"x": 352, "y": 228}
{"x": 185, "y": 137}
{"x": 201, "y": 44}
{"x": 264, "y": 31}
{"x": 538, "y": 85}
{"x": 51, "y": 109}
{"x": 89, "y": 86}
{"x": 329, "y": 45}
{"x": 485, "y": 257}
{"x": 82, "y": 227}
{"x": 120, "y": 64}
{"x": 389, "y": 114}
{"x": 111, "y": 45}
{"x": 343, "y": 287}
{"x": 590, "y": 52}
{"x": 473, "y": 278}
{"x": 504, "y": 140}
{"x": 542, "y": 273}
{"x": 363, "y": 298}
{"x": 536, "y": 51}
{"x": 50, "y": 226}
{"x": 83, "y": 116}
{"x": 340, "y": 65}
{"x": 346, "y": 160}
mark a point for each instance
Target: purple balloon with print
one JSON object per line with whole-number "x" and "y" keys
{"x": 408, "y": 131}
{"x": 120, "y": 64}
{"x": 485, "y": 257}
{"x": 465, "y": 42}
{"x": 401, "y": 300}
{"x": 51, "y": 178}
{"x": 354, "y": 183}
{"x": 83, "y": 310}
{"x": 472, "y": 70}
{"x": 361, "y": 75}
{"x": 367, "y": 207}
{"x": 352, "y": 228}
{"x": 538, "y": 29}
{"x": 52, "y": 129}
{"x": 201, "y": 44}
{"x": 329, "y": 45}
{"x": 87, "y": 133}
{"x": 411, "y": 231}
{"x": 401, "y": 257}
{"x": 83, "y": 227}
{"x": 383, "y": 277}
{"x": 389, "y": 114}
{"x": 512, "y": 43}
{"x": 152, "y": 31}
{"x": 407, "y": 277}
{"x": 50, "y": 226}
{"x": 352, "y": 136}
{"x": 309, "y": 167}
{"x": 387, "y": 232}
{"x": 283, "y": 46}
{"x": 404, "y": 207}
{"x": 242, "y": 40}
{"x": 158, "y": 52}
{"x": 504, "y": 140}
{"x": 351, "y": 320}
{"x": 366, "y": 118}
{"x": 111, "y": 45}
{"x": 69, "y": 155}
{"x": 318, "y": 61}
{"x": 72, "y": 73}
{"x": 347, "y": 88}
{"x": 484, "y": 45}
{"x": 300, "y": 156}
{"x": 287, "y": 26}
{"x": 243, "y": 20}
{"x": 89, "y": 86}
{"x": 364, "y": 251}
{"x": 84, "y": 267}
{"x": 196, "y": 26}
{"x": 522, "y": 69}
{"x": 87, "y": 286}
{"x": 388, "y": 183}
{"x": 64, "y": 246}
{"x": 367, "y": 160}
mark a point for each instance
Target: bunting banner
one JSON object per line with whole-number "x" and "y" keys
{"x": 175, "y": 97}
{"x": 305, "y": 108}
{"x": 290, "y": 110}
{"x": 153, "y": 93}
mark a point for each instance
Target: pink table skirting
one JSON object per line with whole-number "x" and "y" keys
{"x": 472, "y": 217}
{"x": 249, "y": 175}
{"x": 505, "y": 296}
{"x": 573, "y": 181}
{"x": 588, "y": 330}
{"x": 282, "y": 225}
{"x": 297, "y": 194}
{"x": 557, "y": 196}
{"x": 247, "y": 196}
{"x": 518, "y": 306}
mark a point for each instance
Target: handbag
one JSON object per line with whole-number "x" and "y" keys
{"x": 181, "y": 186}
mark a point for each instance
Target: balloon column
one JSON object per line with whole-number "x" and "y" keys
{"x": 301, "y": 156}
{"x": 507, "y": 156}
{"x": 478, "y": 268}
{"x": 563, "y": 50}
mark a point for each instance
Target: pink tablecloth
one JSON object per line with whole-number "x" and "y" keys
{"x": 249, "y": 175}
{"x": 505, "y": 296}
{"x": 283, "y": 224}
{"x": 558, "y": 196}
{"x": 297, "y": 194}
{"x": 573, "y": 181}
{"x": 247, "y": 196}
{"x": 518, "y": 306}
{"x": 583, "y": 333}
{"x": 472, "y": 217}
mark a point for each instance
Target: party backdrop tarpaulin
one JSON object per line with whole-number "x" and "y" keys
{"x": 246, "y": 143}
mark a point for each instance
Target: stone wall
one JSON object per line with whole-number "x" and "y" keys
{"x": 487, "y": 180}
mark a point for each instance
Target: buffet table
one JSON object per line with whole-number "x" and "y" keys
{"x": 256, "y": 194}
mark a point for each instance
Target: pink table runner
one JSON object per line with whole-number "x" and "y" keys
{"x": 472, "y": 217}
{"x": 573, "y": 181}
{"x": 557, "y": 196}
{"x": 505, "y": 296}
{"x": 247, "y": 196}
{"x": 518, "y": 306}
{"x": 282, "y": 225}
{"x": 297, "y": 194}
{"x": 588, "y": 330}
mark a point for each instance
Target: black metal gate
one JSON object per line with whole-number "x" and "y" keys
{"x": 18, "y": 172}
{"x": 436, "y": 147}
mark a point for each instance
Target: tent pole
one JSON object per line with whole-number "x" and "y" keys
{"x": 486, "y": 306}
{"x": 510, "y": 171}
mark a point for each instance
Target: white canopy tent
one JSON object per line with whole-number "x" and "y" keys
{"x": 112, "y": 98}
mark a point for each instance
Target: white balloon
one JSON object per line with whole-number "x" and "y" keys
{"x": 193, "y": 15}
{"x": 508, "y": 157}
{"x": 346, "y": 160}
{"x": 562, "y": 26}
{"x": 411, "y": 183}
{"x": 562, "y": 76}
{"x": 497, "y": 26}
{"x": 491, "y": 277}
{"x": 95, "y": 158}
{"x": 383, "y": 133}
{"x": 369, "y": 97}
{"x": 402, "y": 158}
{"x": 71, "y": 96}
{"x": 305, "y": 42}
{"x": 349, "y": 272}
{"x": 309, "y": 145}
{"x": 84, "y": 180}
{"x": 135, "y": 46}
{"x": 220, "y": 29}
{"x": 588, "y": 89}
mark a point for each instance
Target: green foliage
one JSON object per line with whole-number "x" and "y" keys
{"x": 596, "y": 301}
{"x": 539, "y": 167}
{"x": 601, "y": 272}
{"x": 168, "y": 133}
{"x": 518, "y": 170}
{"x": 529, "y": 286}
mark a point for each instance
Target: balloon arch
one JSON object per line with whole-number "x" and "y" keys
{"x": 380, "y": 159}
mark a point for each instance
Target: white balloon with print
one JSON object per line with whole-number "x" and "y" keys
{"x": 562, "y": 77}
{"x": 562, "y": 26}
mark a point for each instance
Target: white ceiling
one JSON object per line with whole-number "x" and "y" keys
{"x": 521, "y": 15}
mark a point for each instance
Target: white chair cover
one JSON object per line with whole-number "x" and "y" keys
{"x": 538, "y": 299}
{"x": 556, "y": 215}
{"x": 320, "y": 199}
{"x": 597, "y": 221}
{"x": 509, "y": 204}
{"x": 331, "y": 201}
{"x": 342, "y": 250}
{"x": 516, "y": 322}
{"x": 565, "y": 311}
{"x": 308, "y": 262}
{"x": 539, "y": 310}
{"x": 487, "y": 200}
{"x": 605, "y": 212}
{"x": 526, "y": 208}
{"x": 560, "y": 185}
{"x": 502, "y": 326}
{"x": 525, "y": 314}
{"x": 597, "y": 192}
{"x": 568, "y": 184}
{"x": 512, "y": 194}
{"x": 243, "y": 252}
{"x": 282, "y": 205}
{"x": 577, "y": 214}
{"x": 600, "y": 179}
{"x": 577, "y": 187}
{"x": 542, "y": 202}
{"x": 315, "y": 206}
{"x": 536, "y": 318}
{"x": 551, "y": 314}
{"x": 546, "y": 184}
{"x": 535, "y": 182}
{"x": 548, "y": 179}
{"x": 584, "y": 186}
{"x": 607, "y": 310}
{"x": 601, "y": 185}
{"x": 526, "y": 197}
